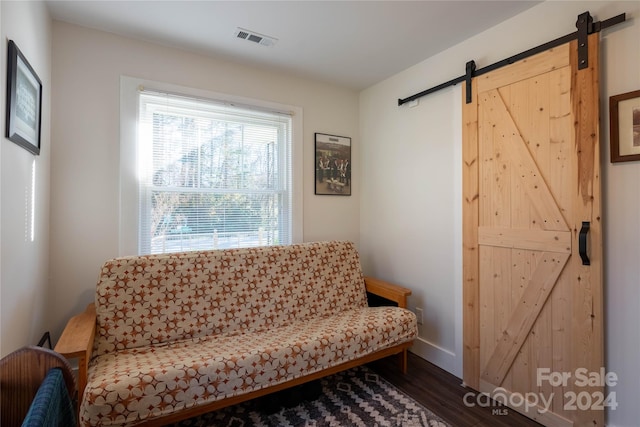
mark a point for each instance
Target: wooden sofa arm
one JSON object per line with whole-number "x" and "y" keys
{"x": 77, "y": 342}
{"x": 387, "y": 290}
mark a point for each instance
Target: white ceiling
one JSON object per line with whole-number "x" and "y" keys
{"x": 351, "y": 43}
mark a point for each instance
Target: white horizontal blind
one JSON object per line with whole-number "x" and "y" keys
{"x": 212, "y": 175}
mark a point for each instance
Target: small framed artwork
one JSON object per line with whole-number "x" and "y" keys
{"x": 624, "y": 126}
{"x": 24, "y": 101}
{"x": 333, "y": 165}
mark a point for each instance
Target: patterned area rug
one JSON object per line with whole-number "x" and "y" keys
{"x": 357, "y": 397}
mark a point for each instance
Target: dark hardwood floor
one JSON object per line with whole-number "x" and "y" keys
{"x": 443, "y": 394}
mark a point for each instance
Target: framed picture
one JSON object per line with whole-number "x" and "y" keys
{"x": 333, "y": 165}
{"x": 24, "y": 101}
{"x": 624, "y": 126}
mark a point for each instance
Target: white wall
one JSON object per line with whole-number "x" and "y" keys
{"x": 620, "y": 59}
{"x": 411, "y": 193}
{"x": 87, "y": 66}
{"x": 24, "y": 262}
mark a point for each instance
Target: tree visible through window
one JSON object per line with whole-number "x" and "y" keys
{"x": 211, "y": 175}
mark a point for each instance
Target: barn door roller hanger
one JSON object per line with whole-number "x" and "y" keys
{"x": 584, "y": 25}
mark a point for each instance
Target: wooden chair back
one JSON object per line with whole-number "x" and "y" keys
{"x": 21, "y": 373}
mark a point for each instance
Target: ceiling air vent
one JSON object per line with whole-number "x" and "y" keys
{"x": 254, "y": 37}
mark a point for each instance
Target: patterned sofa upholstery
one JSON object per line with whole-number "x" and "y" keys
{"x": 176, "y": 335}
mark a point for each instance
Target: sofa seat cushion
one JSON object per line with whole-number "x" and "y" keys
{"x": 131, "y": 385}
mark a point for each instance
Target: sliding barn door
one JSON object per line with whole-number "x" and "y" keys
{"x": 533, "y": 308}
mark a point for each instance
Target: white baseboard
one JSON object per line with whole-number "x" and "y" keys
{"x": 439, "y": 356}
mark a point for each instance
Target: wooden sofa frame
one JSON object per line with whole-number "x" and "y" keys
{"x": 77, "y": 342}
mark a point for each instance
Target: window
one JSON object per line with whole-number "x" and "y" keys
{"x": 211, "y": 174}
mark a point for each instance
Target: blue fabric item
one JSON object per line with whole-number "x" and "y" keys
{"x": 51, "y": 407}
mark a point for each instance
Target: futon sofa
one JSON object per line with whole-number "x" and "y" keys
{"x": 177, "y": 335}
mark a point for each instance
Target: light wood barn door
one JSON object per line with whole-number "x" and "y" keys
{"x": 531, "y": 177}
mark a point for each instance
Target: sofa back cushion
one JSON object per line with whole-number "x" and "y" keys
{"x": 155, "y": 299}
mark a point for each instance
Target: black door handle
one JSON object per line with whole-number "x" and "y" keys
{"x": 582, "y": 243}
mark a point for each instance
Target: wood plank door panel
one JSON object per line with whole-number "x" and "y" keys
{"x": 531, "y": 175}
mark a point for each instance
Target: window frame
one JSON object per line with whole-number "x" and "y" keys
{"x": 130, "y": 198}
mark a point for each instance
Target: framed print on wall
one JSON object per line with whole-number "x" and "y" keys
{"x": 333, "y": 165}
{"x": 624, "y": 126}
{"x": 24, "y": 101}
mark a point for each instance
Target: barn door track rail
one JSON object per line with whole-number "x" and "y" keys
{"x": 584, "y": 25}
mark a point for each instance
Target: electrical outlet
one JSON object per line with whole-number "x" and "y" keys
{"x": 419, "y": 315}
